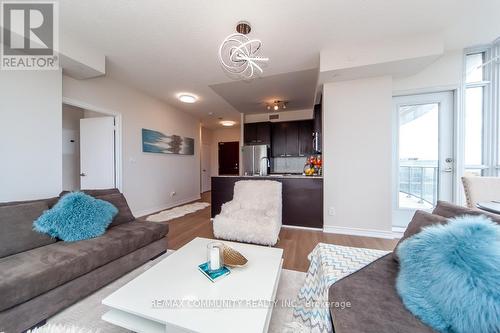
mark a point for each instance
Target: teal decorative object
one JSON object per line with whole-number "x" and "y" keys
{"x": 157, "y": 142}
{"x": 77, "y": 216}
{"x": 450, "y": 275}
{"x": 213, "y": 275}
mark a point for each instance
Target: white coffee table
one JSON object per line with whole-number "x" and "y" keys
{"x": 167, "y": 297}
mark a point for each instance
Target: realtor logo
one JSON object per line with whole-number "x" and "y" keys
{"x": 29, "y": 32}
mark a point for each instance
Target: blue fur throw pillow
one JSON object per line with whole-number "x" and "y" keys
{"x": 77, "y": 216}
{"x": 450, "y": 275}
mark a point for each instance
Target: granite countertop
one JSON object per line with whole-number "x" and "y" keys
{"x": 274, "y": 176}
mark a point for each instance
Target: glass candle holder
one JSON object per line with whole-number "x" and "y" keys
{"x": 215, "y": 256}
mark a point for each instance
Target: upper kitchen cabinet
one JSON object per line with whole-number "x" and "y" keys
{"x": 278, "y": 134}
{"x": 306, "y": 138}
{"x": 257, "y": 133}
{"x": 292, "y": 139}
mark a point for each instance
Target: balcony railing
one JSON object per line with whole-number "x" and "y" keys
{"x": 420, "y": 182}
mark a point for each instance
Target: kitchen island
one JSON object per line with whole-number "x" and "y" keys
{"x": 302, "y": 197}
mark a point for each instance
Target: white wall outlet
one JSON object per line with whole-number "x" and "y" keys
{"x": 172, "y": 194}
{"x": 331, "y": 211}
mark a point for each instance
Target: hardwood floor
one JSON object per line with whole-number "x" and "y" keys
{"x": 296, "y": 243}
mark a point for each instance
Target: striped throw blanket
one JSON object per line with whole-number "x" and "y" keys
{"x": 329, "y": 263}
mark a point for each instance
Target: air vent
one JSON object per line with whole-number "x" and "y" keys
{"x": 274, "y": 116}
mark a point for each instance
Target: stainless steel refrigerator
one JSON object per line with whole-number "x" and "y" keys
{"x": 255, "y": 160}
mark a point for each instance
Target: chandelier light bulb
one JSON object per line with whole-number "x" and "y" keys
{"x": 276, "y": 107}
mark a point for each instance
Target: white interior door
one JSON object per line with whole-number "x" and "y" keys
{"x": 424, "y": 161}
{"x": 205, "y": 168}
{"x": 97, "y": 153}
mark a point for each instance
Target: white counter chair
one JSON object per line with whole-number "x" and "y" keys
{"x": 254, "y": 214}
{"x": 480, "y": 189}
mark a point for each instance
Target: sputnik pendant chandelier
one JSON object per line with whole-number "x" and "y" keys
{"x": 239, "y": 55}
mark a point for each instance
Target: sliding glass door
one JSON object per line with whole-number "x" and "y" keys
{"x": 424, "y": 160}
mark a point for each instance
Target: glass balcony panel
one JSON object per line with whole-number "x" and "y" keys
{"x": 418, "y": 155}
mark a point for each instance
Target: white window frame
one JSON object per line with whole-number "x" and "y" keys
{"x": 486, "y": 84}
{"x": 491, "y": 110}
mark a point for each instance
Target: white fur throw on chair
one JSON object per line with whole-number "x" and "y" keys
{"x": 254, "y": 214}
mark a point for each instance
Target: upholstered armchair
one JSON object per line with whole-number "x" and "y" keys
{"x": 254, "y": 214}
{"x": 479, "y": 189}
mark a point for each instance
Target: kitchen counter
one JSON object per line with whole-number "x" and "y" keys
{"x": 302, "y": 197}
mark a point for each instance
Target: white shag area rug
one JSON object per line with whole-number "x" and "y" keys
{"x": 176, "y": 212}
{"x": 85, "y": 316}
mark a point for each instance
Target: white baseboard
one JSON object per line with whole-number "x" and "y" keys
{"x": 299, "y": 227}
{"x": 359, "y": 232}
{"x": 165, "y": 206}
{"x": 398, "y": 231}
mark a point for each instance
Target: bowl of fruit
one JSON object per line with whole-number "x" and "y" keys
{"x": 313, "y": 166}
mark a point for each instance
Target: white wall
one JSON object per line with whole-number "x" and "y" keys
{"x": 148, "y": 179}
{"x": 284, "y": 116}
{"x": 206, "y": 136}
{"x": 357, "y": 152}
{"x": 71, "y": 147}
{"x": 352, "y": 54}
{"x": 30, "y": 134}
{"x": 221, "y": 135}
{"x": 444, "y": 74}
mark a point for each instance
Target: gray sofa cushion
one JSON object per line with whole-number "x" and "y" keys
{"x": 16, "y": 228}
{"x": 114, "y": 197}
{"x": 50, "y": 202}
{"x": 420, "y": 220}
{"x": 375, "y": 304}
{"x": 31, "y": 273}
{"x": 95, "y": 193}
{"x": 118, "y": 200}
{"x": 450, "y": 210}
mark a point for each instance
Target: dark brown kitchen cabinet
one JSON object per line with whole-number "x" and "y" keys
{"x": 305, "y": 138}
{"x": 250, "y": 133}
{"x": 292, "y": 138}
{"x": 257, "y": 133}
{"x": 278, "y": 136}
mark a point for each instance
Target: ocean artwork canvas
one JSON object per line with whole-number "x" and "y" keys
{"x": 157, "y": 142}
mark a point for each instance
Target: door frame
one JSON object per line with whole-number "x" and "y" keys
{"x": 118, "y": 134}
{"x": 202, "y": 155}
{"x": 395, "y": 144}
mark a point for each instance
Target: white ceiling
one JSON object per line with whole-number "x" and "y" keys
{"x": 296, "y": 88}
{"x": 166, "y": 47}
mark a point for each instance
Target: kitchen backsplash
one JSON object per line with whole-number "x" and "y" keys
{"x": 288, "y": 164}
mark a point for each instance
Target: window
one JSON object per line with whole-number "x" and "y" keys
{"x": 475, "y": 108}
{"x": 481, "y": 111}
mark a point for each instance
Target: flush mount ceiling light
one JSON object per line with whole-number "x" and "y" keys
{"x": 227, "y": 123}
{"x": 187, "y": 98}
{"x": 238, "y": 54}
{"x": 276, "y": 105}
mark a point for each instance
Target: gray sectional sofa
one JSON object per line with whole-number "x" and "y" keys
{"x": 375, "y": 303}
{"x": 40, "y": 276}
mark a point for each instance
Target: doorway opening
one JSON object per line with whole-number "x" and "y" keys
{"x": 424, "y": 159}
{"x": 89, "y": 148}
{"x": 229, "y": 158}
